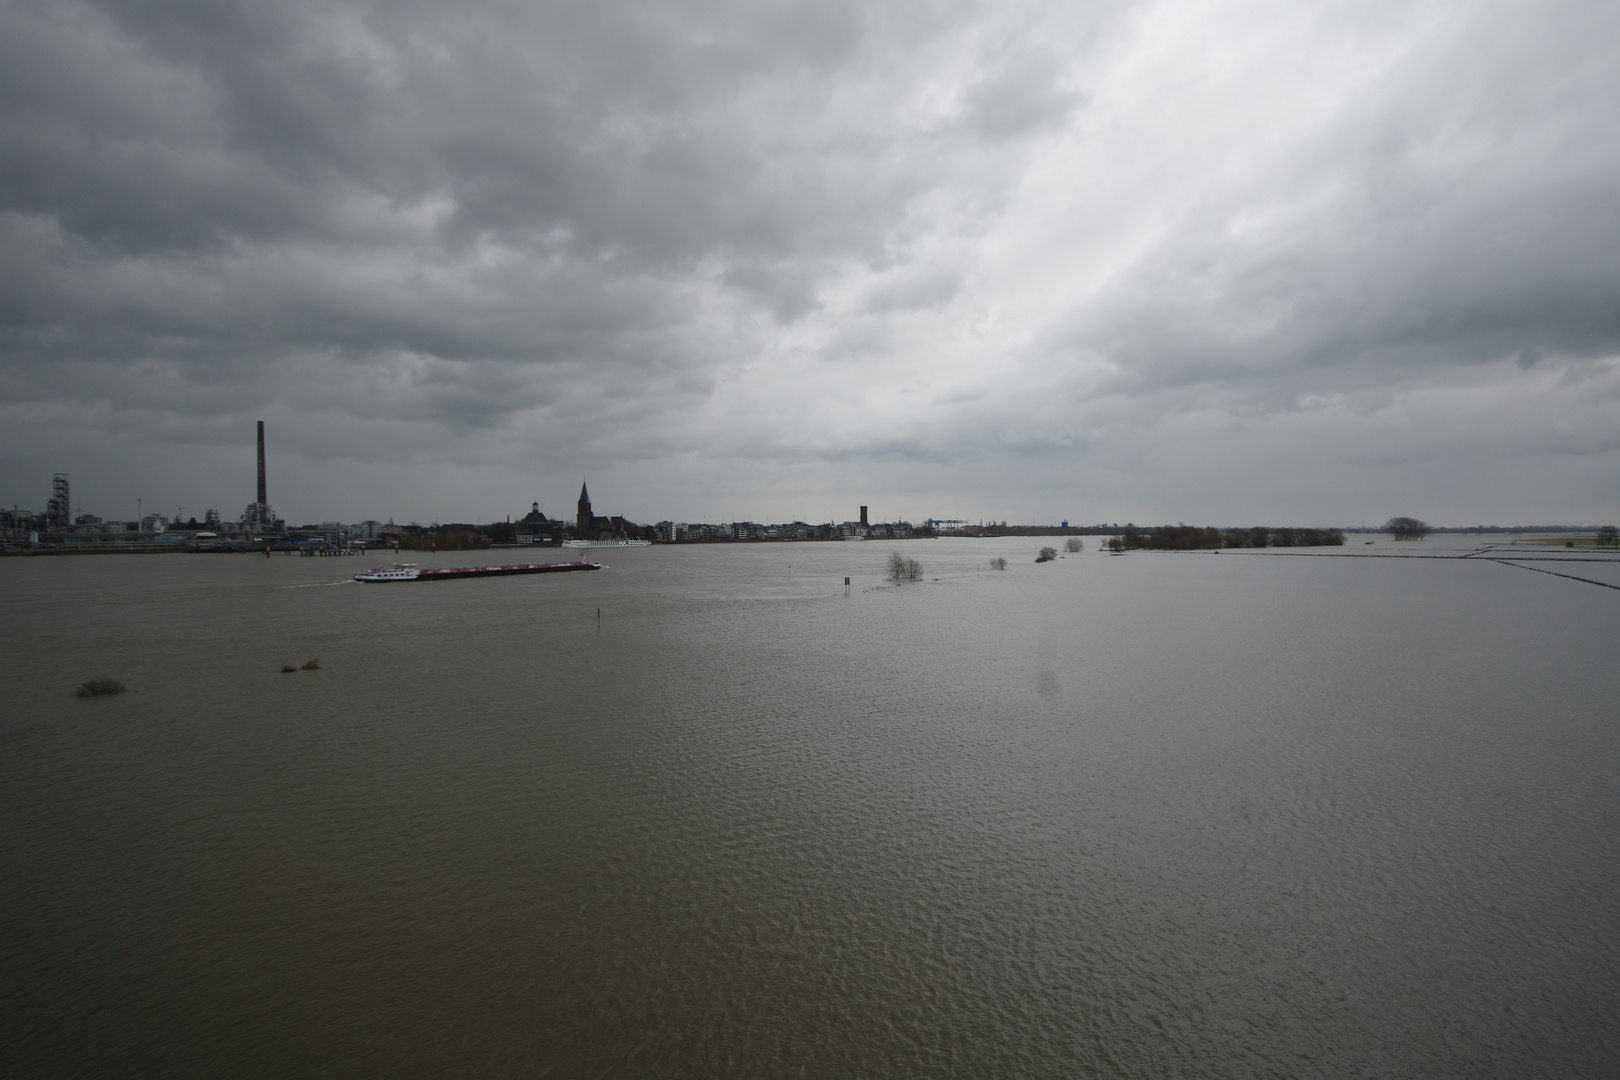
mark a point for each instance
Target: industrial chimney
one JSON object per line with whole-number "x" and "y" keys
{"x": 263, "y": 500}
{"x": 863, "y": 509}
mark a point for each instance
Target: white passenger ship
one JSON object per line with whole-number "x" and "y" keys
{"x": 606, "y": 543}
{"x": 400, "y": 571}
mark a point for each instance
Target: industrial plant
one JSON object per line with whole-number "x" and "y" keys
{"x": 60, "y": 528}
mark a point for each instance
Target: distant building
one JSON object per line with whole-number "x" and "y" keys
{"x": 584, "y": 522}
{"x": 589, "y": 526}
{"x": 259, "y": 517}
{"x": 59, "y": 510}
{"x": 533, "y": 527}
{"x": 17, "y": 524}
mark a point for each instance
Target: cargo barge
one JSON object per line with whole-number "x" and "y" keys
{"x": 410, "y": 572}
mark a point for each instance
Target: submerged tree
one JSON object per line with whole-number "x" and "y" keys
{"x": 998, "y": 564}
{"x": 1407, "y": 528}
{"x": 1608, "y": 536}
{"x": 904, "y": 569}
{"x": 1047, "y": 554}
{"x": 1073, "y": 544}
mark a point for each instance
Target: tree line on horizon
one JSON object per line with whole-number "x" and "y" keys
{"x": 1194, "y": 538}
{"x": 1180, "y": 537}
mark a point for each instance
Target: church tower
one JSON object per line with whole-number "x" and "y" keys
{"x": 583, "y": 522}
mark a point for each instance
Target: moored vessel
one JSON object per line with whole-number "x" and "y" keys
{"x": 606, "y": 543}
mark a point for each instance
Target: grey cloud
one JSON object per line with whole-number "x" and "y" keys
{"x": 789, "y": 291}
{"x": 335, "y": 171}
{"x": 1433, "y": 233}
{"x": 760, "y": 236}
{"x": 924, "y": 287}
{"x": 614, "y": 133}
{"x": 1024, "y": 93}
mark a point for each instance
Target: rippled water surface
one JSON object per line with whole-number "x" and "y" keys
{"x": 1144, "y": 816}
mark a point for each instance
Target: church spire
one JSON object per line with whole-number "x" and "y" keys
{"x": 583, "y": 521}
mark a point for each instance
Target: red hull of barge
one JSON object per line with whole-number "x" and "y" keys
{"x": 504, "y": 571}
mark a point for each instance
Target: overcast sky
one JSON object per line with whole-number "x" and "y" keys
{"x": 1225, "y": 263}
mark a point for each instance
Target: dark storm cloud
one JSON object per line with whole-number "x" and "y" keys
{"x": 209, "y": 183}
{"x": 934, "y": 241}
{"x": 157, "y": 126}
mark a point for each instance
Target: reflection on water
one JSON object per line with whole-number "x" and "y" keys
{"x": 1151, "y": 815}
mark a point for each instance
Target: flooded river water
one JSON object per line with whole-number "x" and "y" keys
{"x": 1155, "y": 815}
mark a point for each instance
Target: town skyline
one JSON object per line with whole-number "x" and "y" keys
{"x": 63, "y": 512}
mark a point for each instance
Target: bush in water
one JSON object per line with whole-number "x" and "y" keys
{"x": 904, "y": 569}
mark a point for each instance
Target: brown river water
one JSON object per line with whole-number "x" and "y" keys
{"x": 1154, "y": 815}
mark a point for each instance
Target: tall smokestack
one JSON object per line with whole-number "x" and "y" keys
{"x": 863, "y": 515}
{"x": 262, "y": 498}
